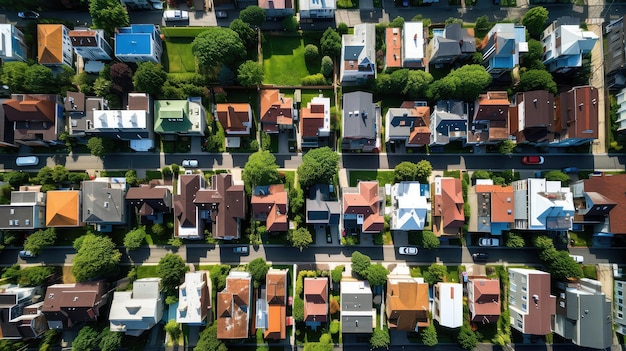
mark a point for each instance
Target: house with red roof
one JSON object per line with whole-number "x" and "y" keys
{"x": 276, "y": 111}
{"x": 270, "y": 205}
{"x": 576, "y": 116}
{"x": 234, "y": 305}
{"x": 272, "y": 308}
{"x": 315, "y": 301}
{"x": 32, "y": 120}
{"x": 315, "y": 123}
{"x": 447, "y": 199}
{"x": 236, "y": 119}
{"x": 362, "y": 208}
{"x": 483, "y": 297}
{"x": 490, "y": 122}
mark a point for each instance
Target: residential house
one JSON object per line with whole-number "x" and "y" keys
{"x": 541, "y": 204}
{"x": 317, "y": 9}
{"x": 270, "y": 205}
{"x": 103, "y": 202}
{"x": 448, "y": 304}
{"x": 357, "y": 312}
{"x": 134, "y": 312}
{"x": 448, "y": 122}
{"x": 483, "y": 297}
{"x": 615, "y": 55}
{"x": 63, "y": 208}
{"x": 414, "y": 45}
{"x": 277, "y": 8}
{"x": 179, "y": 118}
{"x": 564, "y": 44}
{"x": 223, "y": 204}
{"x": 68, "y": 305}
{"x": 504, "y": 44}
{"x": 393, "y": 49}
{"x": 452, "y": 44}
{"x": 79, "y": 109}
{"x": 33, "y": 119}
{"x": 577, "y": 117}
{"x": 138, "y": 43}
{"x": 406, "y": 303}
{"x": 583, "y": 314}
{"x": 271, "y": 312}
{"x": 411, "y": 206}
{"x": 150, "y": 202}
{"x": 360, "y": 123}
{"x": 493, "y": 207}
{"x": 234, "y": 306}
{"x": 531, "y": 305}
{"x": 532, "y": 117}
{"x": 133, "y": 124}
{"x": 315, "y": 301}
{"x": 20, "y": 313}
{"x": 621, "y": 112}
{"x": 321, "y": 209}
{"x": 26, "y": 210}
{"x": 358, "y": 55}
{"x": 276, "y": 111}
{"x": 593, "y": 211}
{"x": 362, "y": 208}
{"x": 236, "y": 119}
{"x": 186, "y": 216}
{"x": 12, "y": 44}
{"x": 408, "y": 125}
{"x": 448, "y": 212}
{"x": 315, "y": 123}
{"x": 54, "y": 46}
{"x": 194, "y": 299}
{"x": 490, "y": 122}
{"x": 607, "y": 185}
{"x": 92, "y": 46}
{"x": 619, "y": 289}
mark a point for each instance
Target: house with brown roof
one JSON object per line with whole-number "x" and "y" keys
{"x": 26, "y": 210}
{"x": 271, "y": 314}
{"x": 577, "y": 117}
{"x": 277, "y": 8}
{"x": 315, "y": 123}
{"x": 276, "y": 111}
{"x": 234, "y": 305}
{"x": 493, "y": 205}
{"x": 223, "y": 206}
{"x": 490, "y": 122}
{"x": 236, "y": 119}
{"x": 35, "y": 119}
{"x": 270, "y": 205}
{"x": 20, "y": 313}
{"x": 531, "y": 305}
{"x": 393, "y": 52}
{"x": 186, "y": 215}
{"x": 406, "y": 303}
{"x": 606, "y": 186}
{"x": 362, "y": 208}
{"x": 54, "y": 46}
{"x": 66, "y": 305}
{"x": 483, "y": 297}
{"x": 447, "y": 199}
{"x": 532, "y": 117}
{"x": 315, "y": 301}
{"x": 63, "y": 208}
{"x": 408, "y": 125}
{"x": 150, "y": 202}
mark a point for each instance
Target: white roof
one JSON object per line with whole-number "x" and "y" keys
{"x": 412, "y": 208}
{"x": 547, "y": 197}
{"x": 122, "y": 119}
{"x": 189, "y": 298}
{"x": 321, "y": 100}
{"x": 139, "y": 310}
{"x": 413, "y": 43}
{"x": 317, "y": 5}
{"x": 357, "y": 287}
{"x": 450, "y": 304}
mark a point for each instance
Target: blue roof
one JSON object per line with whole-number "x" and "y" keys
{"x": 131, "y": 43}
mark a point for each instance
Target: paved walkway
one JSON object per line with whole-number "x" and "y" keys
{"x": 597, "y": 80}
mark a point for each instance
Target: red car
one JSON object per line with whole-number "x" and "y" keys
{"x": 532, "y": 160}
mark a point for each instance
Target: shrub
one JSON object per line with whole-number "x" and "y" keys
{"x": 311, "y": 53}
{"x": 334, "y": 305}
{"x": 314, "y": 79}
{"x": 327, "y": 66}
{"x": 334, "y": 327}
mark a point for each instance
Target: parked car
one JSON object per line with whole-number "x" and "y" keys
{"x": 28, "y": 15}
{"x": 221, "y": 14}
{"x": 175, "y": 15}
{"x": 329, "y": 237}
{"x": 26, "y": 161}
{"x": 190, "y": 163}
{"x": 240, "y": 250}
{"x": 533, "y": 160}
{"x": 488, "y": 242}
{"x": 480, "y": 256}
{"x": 569, "y": 170}
{"x": 577, "y": 258}
{"x": 26, "y": 254}
{"x": 407, "y": 250}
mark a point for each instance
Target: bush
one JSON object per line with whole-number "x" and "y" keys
{"x": 314, "y": 79}
{"x": 515, "y": 241}
{"x": 311, "y": 53}
{"x": 327, "y": 66}
{"x": 334, "y": 327}
{"x": 334, "y": 305}
{"x": 337, "y": 273}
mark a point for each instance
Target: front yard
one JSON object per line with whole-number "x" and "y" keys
{"x": 382, "y": 176}
{"x": 287, "y": 51}
{"x": 177, "y": 48}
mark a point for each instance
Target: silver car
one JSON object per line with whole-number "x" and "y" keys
{"x": 407, "y": 250}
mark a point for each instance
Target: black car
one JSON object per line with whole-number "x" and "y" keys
{"x": 480, "y": 256}
{"x": 28, "y": 15}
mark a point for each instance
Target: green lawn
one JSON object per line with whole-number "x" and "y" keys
{"x": 383, "y": 177}
{"x": 145, "y": 271}
{"x": 281, "y": 52}
{"x": 177, "y": 49}
{"x": 581, "y": 238}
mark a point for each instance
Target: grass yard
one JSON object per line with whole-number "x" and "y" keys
{"x": 581, "y": 238}
{"x": 383, "y": 177}
{"x": 281, "y": 52}
{"x": 177, "y": 48}
{"x": 145, "y": 271}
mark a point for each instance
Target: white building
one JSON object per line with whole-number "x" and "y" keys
{"x": 358, "y": 55}
{"x": 448, "y": 304}
{"x": 317, "y": 9}
{"x": 134, "y": 312}
{"x": 12, "y": 43}
{"x": 413, "y": 45}
{"x": 194, "y": 299}
{"x": 542, "y": 204}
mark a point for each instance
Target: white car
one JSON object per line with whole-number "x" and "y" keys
{"x": 577, "y": 258}
{"x": 240, "y": 250}
{"x": 407, "y": 250}
{"x": 26, "y": 161}
{"x": 190, "y": 163}
{"x": 488, "y": 242}
{"x": 175, "y": 15}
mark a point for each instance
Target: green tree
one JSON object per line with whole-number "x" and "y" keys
{"x": 45, "y": 176}
{"x": 96, "y": 147}
{"x": 296, "y": 200}
{"x": 171, "y": 269}
{"x": 380, "y": 338}
{"x": 424, "y": 170}
{"x": 150, "y": 78}
{"x": 253, "y": 15}
{"x": 337, "y": 273}
{"x": 96, "y": 257}
{"x": 377, "y": 274}
{"x": 435, "y": 273}
{"x": 467, "y": 338}
{"x": 108, "y": 15}
{"x": 173, "y": 330}
{"x": 40, "y": 240}
{"x": 209, "y": 341}
{"x": 109, "y": 340}
{"x": 102, "y": 86}
{"x": 481, "y": 174}
{"x": 246, "y": 33}
{"x": 301, "y": 238}
{"x": 429, "y": 336}
{"x": 342, "y": 28}
{"x": 418, "y": 83}
{"x": 330, "y": 43}
{"x": 258, "y": 269}
{"x": 483, "y": 24}
{"x": 60, "y": 174}
{"x": 13, "y": 74}
{"x": 360, "y": 263}
{"x": 34, "y": 276}
{"x": 311, "y": 53}
{"x": 535, "y": 21}
{"x": 563, "y": 267}
{"x": 261, "y": 169}
{"x": 298, "y": 309}
{"x": 216, "y": 46}
{"x": 405, "y": 171}
{"x": 87, "y": 339}
{"x": 16, "y": 178}
{"x": 397, "y": 22}
{"x": 290, "y": 23}
{"x": 429, "y": 240}
{"x": 507, "y": 147}
{"x": 556, "y": 175}
{"x": 327, "y": 67}
{"x": 131, "y": 177}
{"x": 533, "y": 58}
{"x": 515, "y": 241}
{"x": 250, "y": 74}
{"x": 334, "y": 327}
{"x": 134, "y": 238}
{"x": 472, "y": 79}
{"x": 319, "y": 166}
{"x": 543, "y": 242}
{"x": 535, "y": 79}
{"x": 39, "y": 79}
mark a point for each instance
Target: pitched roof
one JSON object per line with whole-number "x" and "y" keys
{"x": 74, "y": 303}
{"x": 184, "y": 208}
{"x": 486, "y": 304}
{"x": 411, "y": 206}
{"x": 449, "y": 202}
{"x": 313, "y": 117}
{"x": 532, "y": 117}
{"x": 103, "y": 201}
{"x": 275, "y": 4}
{"x": 393, "y": 57}
{"x": 227, "y": 203}
{"x": 316, "y": 299}
{"x": 234, "y": 117}
{"x": 269, "y": 203}
{"x": 276, "y": 290}
{"x": 406, "y": 303}
{"x": 276, "y": 109}
{"x": 501, "y": 202}
{"x": 50, "y": 43}
{"x": 579, "y": 112}
{"x": 63, "y": 208}
{"x": 410, "y": 122}
{"x": 607, "y": 185}
{"x": 149, "y": 199}
{"x": 359, "y": 116}
{"x": 30, "y": 107}
{"x": 365, "y": 202}
{"x": 194, "y": 298}
{"x": 233, "y": 307}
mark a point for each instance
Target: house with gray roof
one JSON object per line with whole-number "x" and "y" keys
{"x": 133, "y": 312}
{"x": 79, "y": 109}
{"x": 26, "y": 211}
{"x": 453, "y": 44}
{"x": 360, "y": 123}
{"x": 321, "y": 210}
{"x": 358, "y": 55}
{"x": 408, "y": 124}
{"x": 357, "y": 313}
{"x": 448, "y": 122}
{"x": 104, "y": 203}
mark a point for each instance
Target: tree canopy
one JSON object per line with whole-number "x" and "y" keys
{"x": 515, "y": 241}
{"x": 507, "y": 147}
{"x": 318, "y": 166}
{"x": 258, "y": 269}
{"x": 108, "y": 15}
{"x": 209, "y": 341}
{"x": 216, "y": 46}
{"x": 150, "y": 78}
{"x": 557, "y": 175}
{"x": 39, "y": 240}
{"x": 261, "y": 169}
{"x": 435, "y": 273}
{"x": 134, "y": 238}
{"x": 96, "y": 257}
{"x": 377, "y": 274}
{"x": 171, "y": 270}
{"x": 110, "y": 340}
{"x": 360, "y": 263}
{"x": 39, "y": 79}
{"x": 466, "y": 83}
{"x": 253, "y": 15}
{"x": 380, "y": 338}
{"x": 424, "y": 170}
{"x": 467, "y": 338}
{"x": 429, "y": 336}
{"x": 246, "y": 33}
{"x": 301, "y": 238}
{"x": 121, "y": 78}
{"x": 405, "y": 171}
{"x": 250, "y": 74}
{"x": 535, "y": 21}
{"x": 87, "y": 339}
{"x": 330, "y": 43}
{"x": 13, "y": 75}
{"x": 97, "y": 147}
{"x": 536, "y": 79}
{"x": 429, "y": 240}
